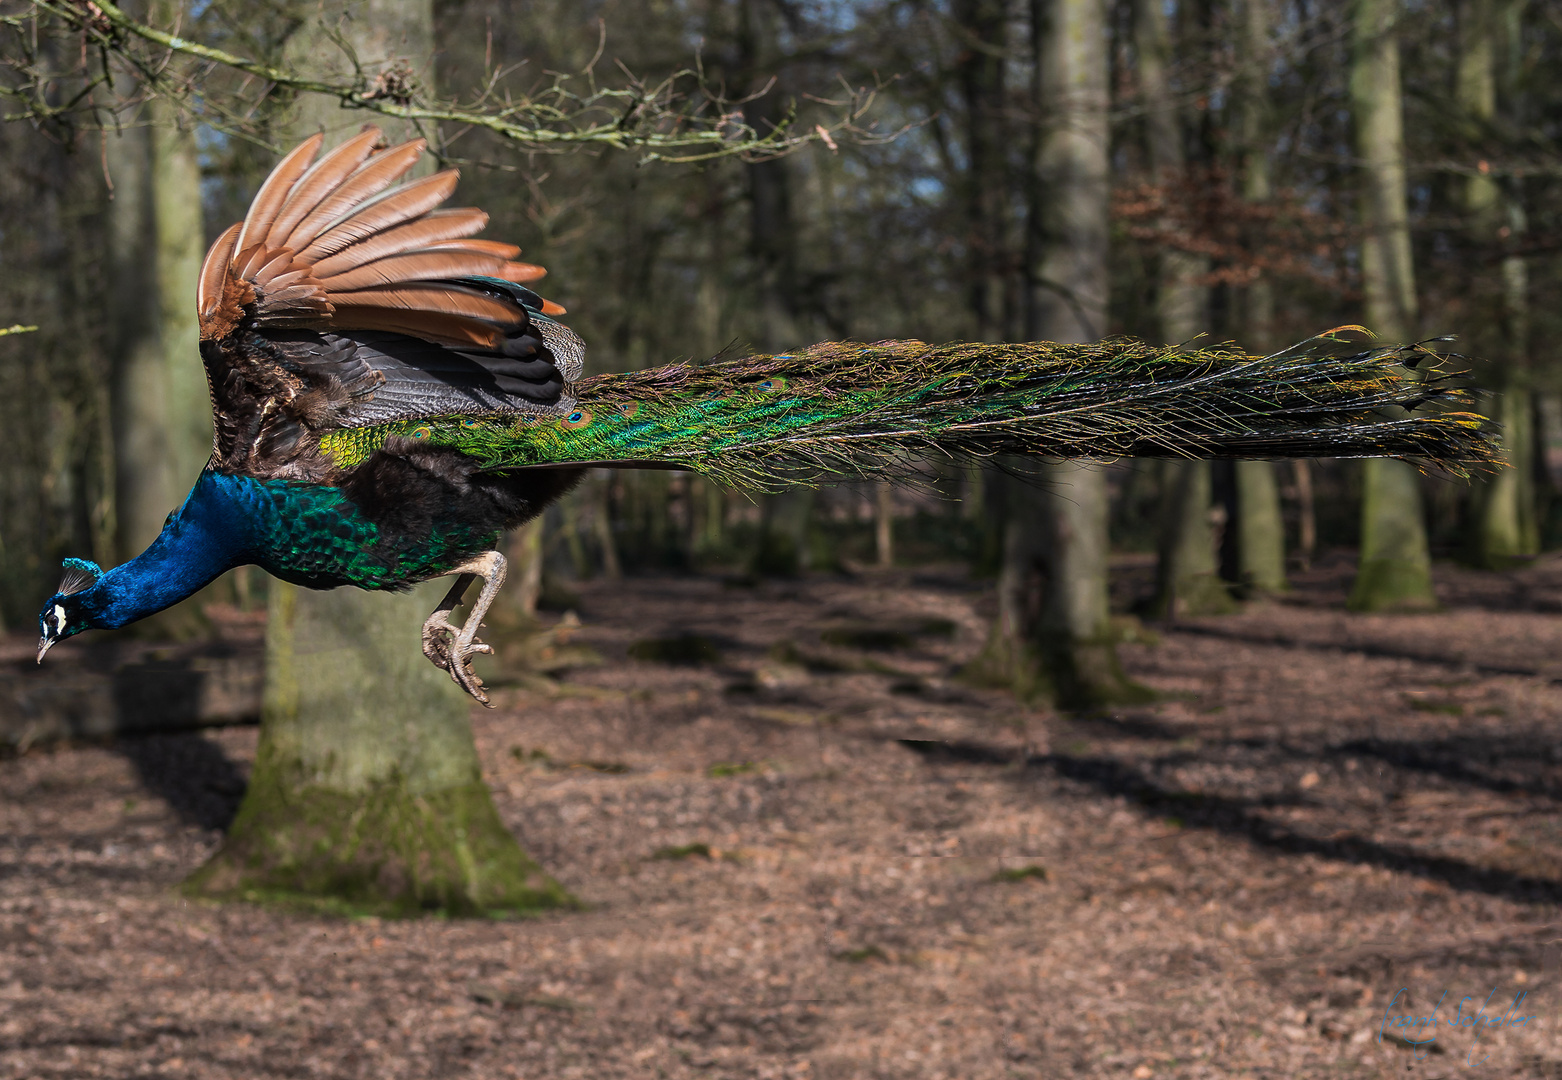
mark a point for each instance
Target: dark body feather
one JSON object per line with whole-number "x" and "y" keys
{"x": 409, "y": 511}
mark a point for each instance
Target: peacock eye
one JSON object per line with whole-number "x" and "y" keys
{"x": 57, "y": 616}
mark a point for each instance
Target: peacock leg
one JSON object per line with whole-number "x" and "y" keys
{"x": 451, "y": 647}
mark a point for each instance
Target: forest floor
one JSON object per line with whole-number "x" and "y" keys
{"x": 1326, "y": 823}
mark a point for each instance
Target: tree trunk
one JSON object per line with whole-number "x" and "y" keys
{"x": 163, "y": 429}
{"x": 524, "y": 578}
{"x": 181, "y": 247}
{"x": 1260, "y": 529}
{"x": 1053, "y": 637}
{"x": 1395, "y": 569}
{"x": 781, "y": 549}
{"x": 1189, "y": 572}
{"x": 884, "y": 525}
{"x": 367, "y": 794}
{"x": 1259, "y": 525}
{"x": 1505, "y": 518}
{"x": 145, "y": 487}
{"x": 982, "y": 26}
{"x": 1307, "y": 515}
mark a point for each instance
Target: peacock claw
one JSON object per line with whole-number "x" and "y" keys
{"x": 450, "y": 647}
{"x": 442, "y": 645}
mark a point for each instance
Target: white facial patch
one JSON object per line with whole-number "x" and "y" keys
{"x": 57, "y": 617}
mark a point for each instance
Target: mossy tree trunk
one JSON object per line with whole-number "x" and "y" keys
{"x": 1188, "y": 581}
{"x": 1053, "y": 636}
{"x": 367, "y": 794}
{"x": 1506, "y": 524}
{"x": 1259, "y": 527}
{"x": 1395, "y": 568}
{"x": 1188, "y": 574}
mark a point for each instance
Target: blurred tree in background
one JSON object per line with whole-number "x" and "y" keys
{"x": 1256, "y": 192}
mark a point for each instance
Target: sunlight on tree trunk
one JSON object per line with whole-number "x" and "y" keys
{"x": 1053, "y": 637}
{"x": 1395, "y": 569}
{"x": 367, "y": 794}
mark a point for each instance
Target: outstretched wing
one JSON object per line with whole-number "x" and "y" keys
{"x": 346, "y": 298}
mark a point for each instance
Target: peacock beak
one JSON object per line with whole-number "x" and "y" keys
{"x": 43, "y": 647}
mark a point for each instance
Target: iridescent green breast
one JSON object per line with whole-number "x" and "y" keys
{"x": 314, "y": 535}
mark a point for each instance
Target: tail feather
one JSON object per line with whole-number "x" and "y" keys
{"x": 858, "y": 410}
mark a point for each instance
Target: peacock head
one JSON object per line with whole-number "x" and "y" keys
{"x": 69, "y": 610}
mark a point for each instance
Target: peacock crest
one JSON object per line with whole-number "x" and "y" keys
{"x": 79, "y": 575}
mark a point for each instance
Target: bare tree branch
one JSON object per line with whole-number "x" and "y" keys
{"x": 682, "y": 117}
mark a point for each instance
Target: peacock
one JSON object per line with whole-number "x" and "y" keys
{"x": 389, "y": 395}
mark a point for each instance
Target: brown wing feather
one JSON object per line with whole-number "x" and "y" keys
{"x": 433, "y": 226}
{"x": 274, "y": 191}
{"x": 428, "y": 296}
{"x": 334, "y": 244}
{"x": 494, "y": 249}
{"x": 412, "y": 236}
{"x": 412, "y": 266}
{"x": 318, "y": 183}
{"x": 388, "y": 210}
{"x": 521, "y": 273}
{"x": 374, "y": 176}
{"x": 214, "y": 271}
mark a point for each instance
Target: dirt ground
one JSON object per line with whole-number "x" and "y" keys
{"x": 1322, "y": 812}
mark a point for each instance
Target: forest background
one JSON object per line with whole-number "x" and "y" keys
{"x": 1063, "y": 169}
{"x": 1246, "y": 189}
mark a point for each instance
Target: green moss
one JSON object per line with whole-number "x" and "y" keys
{"x": 1021, "y": 873}
{"x": 683, "y": 851}
{"x": 1205, "y": 594}
{"x": 1446, "y": 708}
{"x": 1395, "y": 586}
{"x": 731, "y": 768}
{"x": 1072, "y": 675}
{"x": 877, "y": 637}
{"x": 387, "y": 852}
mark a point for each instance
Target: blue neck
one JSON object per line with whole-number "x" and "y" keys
{"x": 199, "y": 543}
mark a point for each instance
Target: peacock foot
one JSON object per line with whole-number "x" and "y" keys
{"x": 444, "y": 645}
